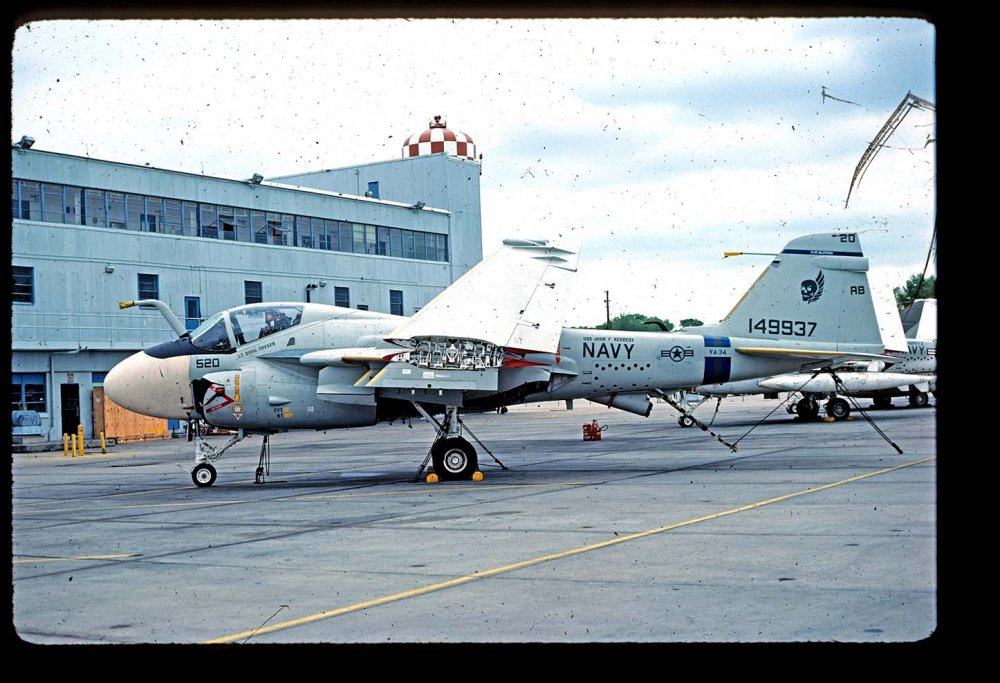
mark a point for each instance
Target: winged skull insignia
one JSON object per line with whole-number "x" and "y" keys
{"x": 812, "y": 290}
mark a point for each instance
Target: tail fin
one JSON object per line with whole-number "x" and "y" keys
{"x": 920, "y": 320}
{"x": 815, "y": 290}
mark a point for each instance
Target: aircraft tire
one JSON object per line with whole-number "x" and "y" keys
{"x": 454, "y": 459}
{"x": 882, "y": 402}
{"x": 685, "y": 421}
{"x": 918, "y": 400}
{"x": 807, "y": 409}
{"x": 203, "y": 475}
{"x": 838, "y": 408}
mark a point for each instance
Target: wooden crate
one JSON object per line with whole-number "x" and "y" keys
{"x": 124, "y": 425}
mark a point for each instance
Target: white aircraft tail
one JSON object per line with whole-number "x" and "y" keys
{"x": 815, "y": 290}
{"x": 920, "y": 319}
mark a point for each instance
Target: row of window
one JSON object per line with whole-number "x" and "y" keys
{"x": 23, "y": 292}
{"x": 54, "y": 203}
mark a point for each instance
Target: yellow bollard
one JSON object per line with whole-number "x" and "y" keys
{"x": 104, "y": 448}
{"x": 79, "y": 440}
{"x": 73, "y": 438}
{"x": 65, "y": 445}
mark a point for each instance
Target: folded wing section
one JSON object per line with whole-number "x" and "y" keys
{"x": 511, "y": 300}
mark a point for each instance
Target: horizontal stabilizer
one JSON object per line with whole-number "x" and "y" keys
{"x": 813, "y": 357}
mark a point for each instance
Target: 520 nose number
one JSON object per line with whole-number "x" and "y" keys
{"x": 791, "y": 328}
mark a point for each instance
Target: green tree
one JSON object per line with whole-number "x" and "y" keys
{"x": 691, "y": 322}
{"x": 634, "y": 322}
{"x": 908, "y": 293}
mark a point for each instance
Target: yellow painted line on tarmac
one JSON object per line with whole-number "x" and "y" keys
{"x": 451, "y": 583}
{"x": 38, "y": 560}
{"x": 305, "y": 497}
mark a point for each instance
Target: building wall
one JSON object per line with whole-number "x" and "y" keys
{"x": 437, "y": 180}
{"x": 73, "y": 327}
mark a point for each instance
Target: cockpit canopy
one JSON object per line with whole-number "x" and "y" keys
{"x": 248, "y": 323}
{"x": 254, "y": 321}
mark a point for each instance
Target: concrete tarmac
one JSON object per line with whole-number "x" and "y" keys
{"x": 654, "y": 534}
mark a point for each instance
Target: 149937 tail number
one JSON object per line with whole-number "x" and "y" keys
{"x": 789, "y": 328}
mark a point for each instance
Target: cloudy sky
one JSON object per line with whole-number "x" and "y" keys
{"x": 656, "y": 144}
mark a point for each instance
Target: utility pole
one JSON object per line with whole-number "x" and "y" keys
{"x": 607, "y": 307}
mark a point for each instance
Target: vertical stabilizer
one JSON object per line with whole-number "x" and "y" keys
{"x": 920, "y": 320}
{"x": 815, "y": 290}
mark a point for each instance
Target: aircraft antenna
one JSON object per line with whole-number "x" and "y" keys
{"x": 909, "y": 102}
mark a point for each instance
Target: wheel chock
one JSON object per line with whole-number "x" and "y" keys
{"x": 432, "y": 478}
{"x": 829, "y": 419}
{"x": 477, "y": 476}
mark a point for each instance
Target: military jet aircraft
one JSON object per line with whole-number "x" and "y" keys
{"x": 491, "y": 339}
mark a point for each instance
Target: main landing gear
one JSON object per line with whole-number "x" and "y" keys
{"x": 807, "y": 408}
{"x": 452, "y": 456}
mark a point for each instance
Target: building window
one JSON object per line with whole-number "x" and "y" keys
{"x": 27, "y": 200}
{"x": 192, "y": 312}
{"x": 149, "y": 286}
{"x": 253, "y": 292}
{"x": 94, "y": 208}
{"x": 116, "y": 210}
{"x": 23, "y": 288}
{"x": 342, "y": 297}
{"x": 209, "y": 221}
{"x": 73, "y": 205}
{"x": 396, "y": 302}
{"x": 135, "y": 209}
{"x": 52, "y": 203}
{"x": 383, "y": 241}
{"x": 304, "y": 231}
{"x": 372, "y": 189}
{"x": 27, "y": 392}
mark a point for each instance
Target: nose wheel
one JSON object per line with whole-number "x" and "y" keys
{"x": 203, "y": 475}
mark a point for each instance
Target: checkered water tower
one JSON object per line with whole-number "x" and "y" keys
{"x": 437, "y": 139}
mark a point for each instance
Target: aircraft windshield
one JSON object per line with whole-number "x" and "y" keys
{"x": 253, "y": 322}
{"x": 211, "y": 335}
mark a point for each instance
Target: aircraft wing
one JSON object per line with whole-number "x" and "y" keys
{"x": 513, "y": 299}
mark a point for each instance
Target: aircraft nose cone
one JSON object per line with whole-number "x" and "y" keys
{"x": 157, "y": 387}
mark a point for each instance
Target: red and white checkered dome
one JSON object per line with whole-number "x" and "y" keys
{"x": 438, "y": 138}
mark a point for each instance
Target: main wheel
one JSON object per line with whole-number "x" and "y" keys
{"x": 454, "y": 458}
{"x": 807, "y": 409}
{"x": 918, "y": 399}
{"x": 838, "y": 408}
{"x": 685, "y": 421}
{"x": 203, "y": 475}
{"x": 882, "y": 401}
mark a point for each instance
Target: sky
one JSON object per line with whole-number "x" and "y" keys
{"x": 652, "y": 144}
